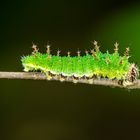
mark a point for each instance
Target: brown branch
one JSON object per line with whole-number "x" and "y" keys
{"x": 40, "y": 76}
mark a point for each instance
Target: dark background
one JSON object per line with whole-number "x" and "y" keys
{"x": 51, "y": 110}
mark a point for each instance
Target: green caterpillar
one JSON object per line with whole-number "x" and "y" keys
{"x": 92, "y": 65}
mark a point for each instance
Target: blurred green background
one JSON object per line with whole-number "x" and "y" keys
{"x": 51, "y": 110}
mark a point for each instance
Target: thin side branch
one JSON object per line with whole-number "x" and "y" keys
{"x": 41, "y": 76}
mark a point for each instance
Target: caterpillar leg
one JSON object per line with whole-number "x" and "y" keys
{"x": 89, "y": 79}
{"x": 75, "y": 79}
{"x": 62, "y": 78}
{"x": 126, "y": 83}
{"x": 48, "y": 75}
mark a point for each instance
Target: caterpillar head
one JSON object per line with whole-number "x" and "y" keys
{"x": 133, "y": 73}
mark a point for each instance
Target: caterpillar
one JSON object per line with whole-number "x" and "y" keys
{"x": 93, "y": 64}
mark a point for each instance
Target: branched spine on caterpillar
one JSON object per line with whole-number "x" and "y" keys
{"x": 93, "y": 64}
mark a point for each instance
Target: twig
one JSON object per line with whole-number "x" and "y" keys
{"x": 41, "y": 76}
